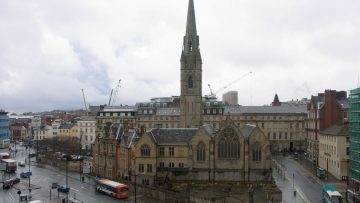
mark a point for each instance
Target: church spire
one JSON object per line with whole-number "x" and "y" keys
{"x": 191, "y": 23}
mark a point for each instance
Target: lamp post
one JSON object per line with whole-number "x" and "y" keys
{"x": 80, "y": 146}
{"x": 134, "y": 160}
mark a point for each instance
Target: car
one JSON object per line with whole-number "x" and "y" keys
{"x": 15, "y": 180}
{"x": 7, "y": 184}
{"x": 21, "y": 163}
{"x": 24, "y": 175}
{"x": 64, "y": 189}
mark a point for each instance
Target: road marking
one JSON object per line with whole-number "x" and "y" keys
{"x": 74, "y": 189}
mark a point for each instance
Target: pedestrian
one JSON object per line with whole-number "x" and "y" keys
{"x": 251, "y": 194}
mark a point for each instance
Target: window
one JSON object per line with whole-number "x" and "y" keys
{"x": 141, "y": 168}
{"x": 149, "y": 168}
{"x": 181, "y": 165}
{"x": 171, "y": 165}
{"x": 171, "y": 151}
{"x": 229, "y": 145}
{"x": 200, "y": 152}
{"x": 161, "y": 151}
{"x": 145, "y": 150}
{"x": 190, "y": 82}
{"x": 274, "y": 135}
{"x": 256, "y": 152}
{"x": 162, "y": 164}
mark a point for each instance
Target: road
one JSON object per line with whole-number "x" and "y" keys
{"x": 302, "y": 179}
{"x": 42, "y": 179}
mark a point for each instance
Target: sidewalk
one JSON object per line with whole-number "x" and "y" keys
{"x": 287, "y": 189}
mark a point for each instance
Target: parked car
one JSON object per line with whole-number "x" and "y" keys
{"x": 15, "y": 180}
{"x": 24, "y": 175}
{"x": 7, "y": 184}
{"x": 21, "y": 163}
{"x": 63, "y": 189}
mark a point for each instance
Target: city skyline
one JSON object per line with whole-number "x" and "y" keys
{"x": 50, "y": 52}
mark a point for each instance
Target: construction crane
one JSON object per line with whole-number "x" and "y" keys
{"x": 115, "y": 94}
{"x": 213, "y": 94}
{"x": 86, "y": 109}
{"x": 110, "y": 96}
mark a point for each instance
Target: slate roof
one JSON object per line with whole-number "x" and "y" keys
{"x": 168, "y": 112}
{"x": 172, "y": 135}
{"x": 66, "y": 126}
{"x": 344, "y": 103}
{"x": 118, "y": 108}
{"x": 87, "y": 118}
{"x": 300, "y": 109}
{"x": 209, "y": 129}
{"x": 247, "y": 129}
{"x": 336, "y": 130}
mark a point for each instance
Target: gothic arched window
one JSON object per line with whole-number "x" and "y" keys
{"x": 190, "y": 82}
{"x": 200, "y": 152}
{"x": 145, "y": 150}
{"x": 229, "y": 145}
{"x": 256, "y": 152}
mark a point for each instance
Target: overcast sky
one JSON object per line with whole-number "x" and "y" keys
{"x": 50, "y": 50}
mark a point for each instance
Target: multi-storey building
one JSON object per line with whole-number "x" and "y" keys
{"x": 325, "y": 109}
{"x": 86, "y": 127}
{"x": 43, "y": 132}
{"x": 18, "y": 132}
{"x": 334, "y": 150}
{"x": 283, "y": 125}
{"x": 124, "y": 115}
{"x": 112, "y": 152}
{"x": 68, "y": 130}
{"x": 231, "y": 97}
{"x": 354, "y": 132}
{"x": 4, "y": 129}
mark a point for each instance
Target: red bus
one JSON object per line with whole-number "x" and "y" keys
{"x": 112, "y": 188}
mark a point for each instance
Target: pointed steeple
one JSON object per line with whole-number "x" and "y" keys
{"x": 276, "y": 101}
{"x": 190, "y": 22}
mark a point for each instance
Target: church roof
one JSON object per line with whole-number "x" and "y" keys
{"x": 247, "y": 129}
{"x": 172, "y": 135}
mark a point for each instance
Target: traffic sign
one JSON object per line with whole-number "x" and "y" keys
{"x": 86, "y": 169}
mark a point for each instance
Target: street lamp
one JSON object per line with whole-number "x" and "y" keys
{"x": 80, "y": 146}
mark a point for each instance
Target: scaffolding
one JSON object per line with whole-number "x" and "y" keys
{"x": 354, "y": 133}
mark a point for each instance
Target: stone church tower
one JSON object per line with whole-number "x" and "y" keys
{"x": 191, "y": 75}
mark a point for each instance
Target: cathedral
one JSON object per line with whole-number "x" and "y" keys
{"x": 188, "y": 151}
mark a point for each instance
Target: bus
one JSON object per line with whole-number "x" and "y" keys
{"x": 330, "y": 195}
{"x": 9, "y": 165}
{"x": 352, "y": 196}
{"x": 112, "y": 188}
{"x": 4, "y": 155}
